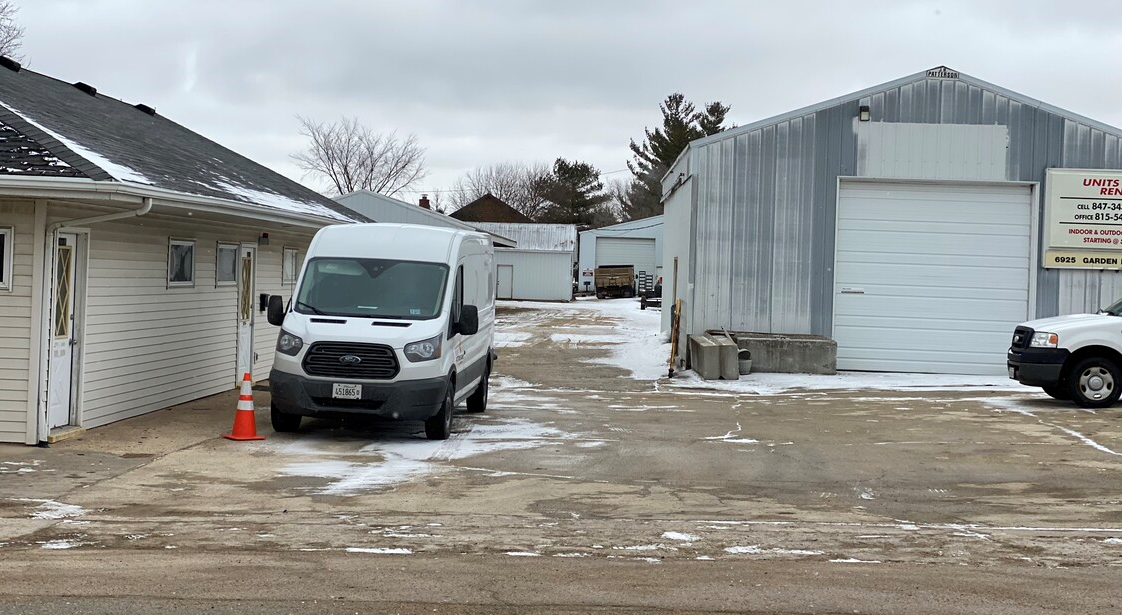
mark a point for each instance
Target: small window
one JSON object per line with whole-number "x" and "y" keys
{"x": 6, "y": 240}
{"x": 457, "y": 300}
{"x": 290, "y": 266}
{"x": 226, "y": 266}
{"x": 181, "y": 263}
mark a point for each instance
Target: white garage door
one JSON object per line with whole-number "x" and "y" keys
{"x": 930, "y": 278}
{"x": 627, "y": 251}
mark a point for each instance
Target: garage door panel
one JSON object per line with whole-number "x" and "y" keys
{"x": 922, "y": 276}
{"x": 944, "y": 272}
{"x": 636, "y": 251}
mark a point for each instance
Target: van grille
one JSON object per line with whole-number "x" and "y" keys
{"x": 375, "y": 361}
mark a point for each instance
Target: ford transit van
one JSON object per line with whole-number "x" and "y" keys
{"x": 388, "y": 320}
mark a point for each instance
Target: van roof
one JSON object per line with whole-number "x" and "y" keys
{"x": 409, "y": 242}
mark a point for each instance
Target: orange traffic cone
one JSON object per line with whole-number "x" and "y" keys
{"x": 245, "y": 426}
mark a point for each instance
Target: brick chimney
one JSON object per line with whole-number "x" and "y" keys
{"x": 424, "y": 202}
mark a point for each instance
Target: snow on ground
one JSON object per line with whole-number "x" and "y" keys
{"x": 401, "y": 456}
{"x": 50, "y": 509}
{"x": 380, "y": 550}
{"x": 636, "y": 345}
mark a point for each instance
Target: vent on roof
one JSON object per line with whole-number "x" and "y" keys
{"x": 87, "y": 88}
{"x": 9, "y": 64}
{"x": 145, "y": 108}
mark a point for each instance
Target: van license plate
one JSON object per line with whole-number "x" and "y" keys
{"x": 346, "y": 391}
{"x": 1013, "y": 373}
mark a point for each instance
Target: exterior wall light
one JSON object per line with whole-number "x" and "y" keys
{"x": 863, "y": 113}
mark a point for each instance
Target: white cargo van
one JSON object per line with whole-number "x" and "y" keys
{"x": 389, "y": 320}
{"x": 1076, "y": 357}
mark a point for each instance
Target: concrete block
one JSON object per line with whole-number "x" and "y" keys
{"x": 790, "y": 353}
{"x": 705, "y": 357}
{"x": 727, "y": 350}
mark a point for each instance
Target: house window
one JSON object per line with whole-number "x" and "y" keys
{"x": 181, "y": 263}
{"x": 226, "y": 265}
{"x": 290, "y": 266}
{"x": 6, "y": 240}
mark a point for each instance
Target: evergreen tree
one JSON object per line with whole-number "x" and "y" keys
{"x": 681, "y": 123}
{"x": 575, "y": 194}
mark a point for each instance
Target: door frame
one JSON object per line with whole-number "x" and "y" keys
{"x": 79, "y": 291}
{"x": 238, "y": 373}
{"x": 1034, "y": 229}
{"x": 498, "y": 277}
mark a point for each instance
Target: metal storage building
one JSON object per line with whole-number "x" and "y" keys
{"x": 541, "y": 267}
{"x": 636, "y": 242}
{"x": 906, "y": 221}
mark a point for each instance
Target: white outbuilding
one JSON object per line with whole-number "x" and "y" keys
{"x": 382, "y": 208}
{"x": 636, "y": 242}
{"x": 541, "y": 267}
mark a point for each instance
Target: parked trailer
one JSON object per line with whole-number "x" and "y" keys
{"x": 615, "y": 281}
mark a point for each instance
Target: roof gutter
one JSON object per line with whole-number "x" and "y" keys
{"x": 87, "y": 189}
{"x": 132, "y": 213}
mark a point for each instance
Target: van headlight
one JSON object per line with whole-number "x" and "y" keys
{"x": 289, "y": 344}
{"x": 1043, "y": 339}
{"x": 424, "y": 350}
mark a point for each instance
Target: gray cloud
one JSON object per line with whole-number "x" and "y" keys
{"x": 483, "y": 81}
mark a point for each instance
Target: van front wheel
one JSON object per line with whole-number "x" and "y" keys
{"x": 284, "y": 423}
{"x": 1094, "y": 383}
{"x": 478, "y": 400}
{"x": 439, "y": 427}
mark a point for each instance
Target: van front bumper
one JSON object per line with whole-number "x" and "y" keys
{"x": 1038, "y": 367}
{"x": 407, "y": 400}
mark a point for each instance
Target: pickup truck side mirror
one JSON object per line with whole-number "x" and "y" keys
{"x": 469, "y": 320}
{"x": 276, "y": 310}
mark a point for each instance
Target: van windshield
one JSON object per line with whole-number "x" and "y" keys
{"x": 1114, "y": 310}
{"x": 372, "y": 288}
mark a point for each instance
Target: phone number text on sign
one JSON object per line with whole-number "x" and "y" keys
{"x": 1084, "y": 210}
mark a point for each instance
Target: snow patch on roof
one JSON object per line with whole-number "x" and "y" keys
{"x": 118, "y": 171}
{"x": 277, "y": 201}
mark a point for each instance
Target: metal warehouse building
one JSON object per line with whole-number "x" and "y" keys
{"x": 636, "y": 242}
{"x": 541, "y": 267}
{"x": 912, "y": 222}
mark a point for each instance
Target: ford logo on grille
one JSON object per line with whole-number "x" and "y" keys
{"x": 350, "y": 359}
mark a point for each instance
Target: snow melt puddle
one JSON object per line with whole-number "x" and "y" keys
{"x": 1010, "y": 405}
{"x": 403, "y": 460}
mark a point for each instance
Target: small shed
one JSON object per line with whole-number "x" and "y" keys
{"x": 635, "y": 242}
{"x": 541, "y": 267}
{"x": 382, "y": 208}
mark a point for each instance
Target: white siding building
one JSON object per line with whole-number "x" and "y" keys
{"x": 135, "y": 256}
{"x": 541, "y": 267}
{"x": 636, "y": 242}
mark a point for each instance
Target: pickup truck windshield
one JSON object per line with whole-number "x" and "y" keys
{"x": 372, "y": 288}
{"x": 1114, "y": 310}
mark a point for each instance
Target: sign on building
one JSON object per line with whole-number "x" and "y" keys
{"x": 1083, "y": 214}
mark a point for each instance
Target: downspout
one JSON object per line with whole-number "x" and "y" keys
{"x": 46, "y": 290}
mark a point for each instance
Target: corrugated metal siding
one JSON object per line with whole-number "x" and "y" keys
{"x": 15, "y": 324}
{"x": 767, "y": 198}
{"x": 956, "y": 151}
{"x": 549, "y": 237}
{"x": 651, "y": 228}
{"x": 539, "y": 276}
{"x": 676, "y": 233}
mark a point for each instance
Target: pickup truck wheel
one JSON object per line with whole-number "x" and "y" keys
{"x": 478, "y": 400}
{"x": 284, "y": 423}
{"x": 439, "y": 427}
{"x": 1058, "y": 392}
{"x": 1094, "y": 383}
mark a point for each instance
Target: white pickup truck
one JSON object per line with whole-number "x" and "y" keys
{"x": 1076, "y": 357}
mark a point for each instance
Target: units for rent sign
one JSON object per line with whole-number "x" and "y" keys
{"x": 1083, "y": 210}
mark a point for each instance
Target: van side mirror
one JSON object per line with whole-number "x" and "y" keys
{"x": 276, "y": 310}
{"x": 469, "y": 320}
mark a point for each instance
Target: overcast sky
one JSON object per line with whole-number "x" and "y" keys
{"x": 491, "y": 81}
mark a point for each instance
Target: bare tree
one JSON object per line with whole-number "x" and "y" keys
{"x": 353, "y": 157}
{"x": 11, "y": 33}
{"x": 515, "y": 183}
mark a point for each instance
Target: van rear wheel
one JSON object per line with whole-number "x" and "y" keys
{"x": 439, "y": 427}
{"x": 478, "y": 400}
{"x": 1094, "y": 382}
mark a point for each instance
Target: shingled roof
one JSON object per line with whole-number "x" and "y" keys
{"x": 53, "y": 128}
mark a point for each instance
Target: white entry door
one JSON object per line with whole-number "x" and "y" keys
{"x": 247, "y": 262}
{"x": 60, "y": 368}
{"x": 505, "y": 289}
{"x": 930, "y": 277}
